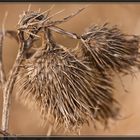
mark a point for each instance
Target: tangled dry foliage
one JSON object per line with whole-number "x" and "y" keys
{"x": 68, "y": 86}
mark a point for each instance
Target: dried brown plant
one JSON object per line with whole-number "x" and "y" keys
{"x": 69, "y": 87}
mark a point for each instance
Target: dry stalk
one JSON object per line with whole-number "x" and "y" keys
{"x": 25, "y": 44}
{"x": 8, "y": 89}
{"x": 2, "y": 35}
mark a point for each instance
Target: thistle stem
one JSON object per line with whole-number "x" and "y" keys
{"x": 8, "y": 90}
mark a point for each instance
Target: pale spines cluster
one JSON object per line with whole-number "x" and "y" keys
{"x": 62, "y": 86}
{"x": 110, "y": 49}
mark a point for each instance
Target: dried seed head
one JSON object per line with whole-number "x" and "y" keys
{"x": 31, "y": 20}
{"x": 70, "y": 87}
{"x": 62, "y": 84}
{"x": 29, "y": 17}
{"x": 108, "y": 48}
{"x": 63, "y": 87}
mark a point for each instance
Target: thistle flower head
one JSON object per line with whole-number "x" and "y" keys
{"x": 109, "y": 48}
{"x": 65, "y": 88}
{"x": 73, "y": 89}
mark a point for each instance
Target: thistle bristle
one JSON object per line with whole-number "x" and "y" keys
{"x": 108, "y": 48}
{"x": 62, "y": 86}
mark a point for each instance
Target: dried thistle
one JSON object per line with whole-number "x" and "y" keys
{"x": 70, "y": 89}
{"x": 110, "y": 49}
{"x": 64, "y": 87}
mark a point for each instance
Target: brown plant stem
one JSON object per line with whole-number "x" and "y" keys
{"x": 2, "y": 35}
{"x": 8, "y": 89}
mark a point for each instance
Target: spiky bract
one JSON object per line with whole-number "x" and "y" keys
{"x": 63, "y": 87}
{"x": 109, "y": 49}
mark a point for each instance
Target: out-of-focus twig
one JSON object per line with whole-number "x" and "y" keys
{"x": 2, "y": 34}
{"x": 2, "y": 74}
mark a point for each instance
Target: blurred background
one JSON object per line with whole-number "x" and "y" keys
{"x": 126, "y": 15}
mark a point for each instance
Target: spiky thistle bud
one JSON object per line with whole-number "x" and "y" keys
{"x": 64, "y": 87}
{"x": 108, "y": 48}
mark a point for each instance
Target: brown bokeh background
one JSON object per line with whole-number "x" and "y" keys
{"x": 126, "y": 16}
